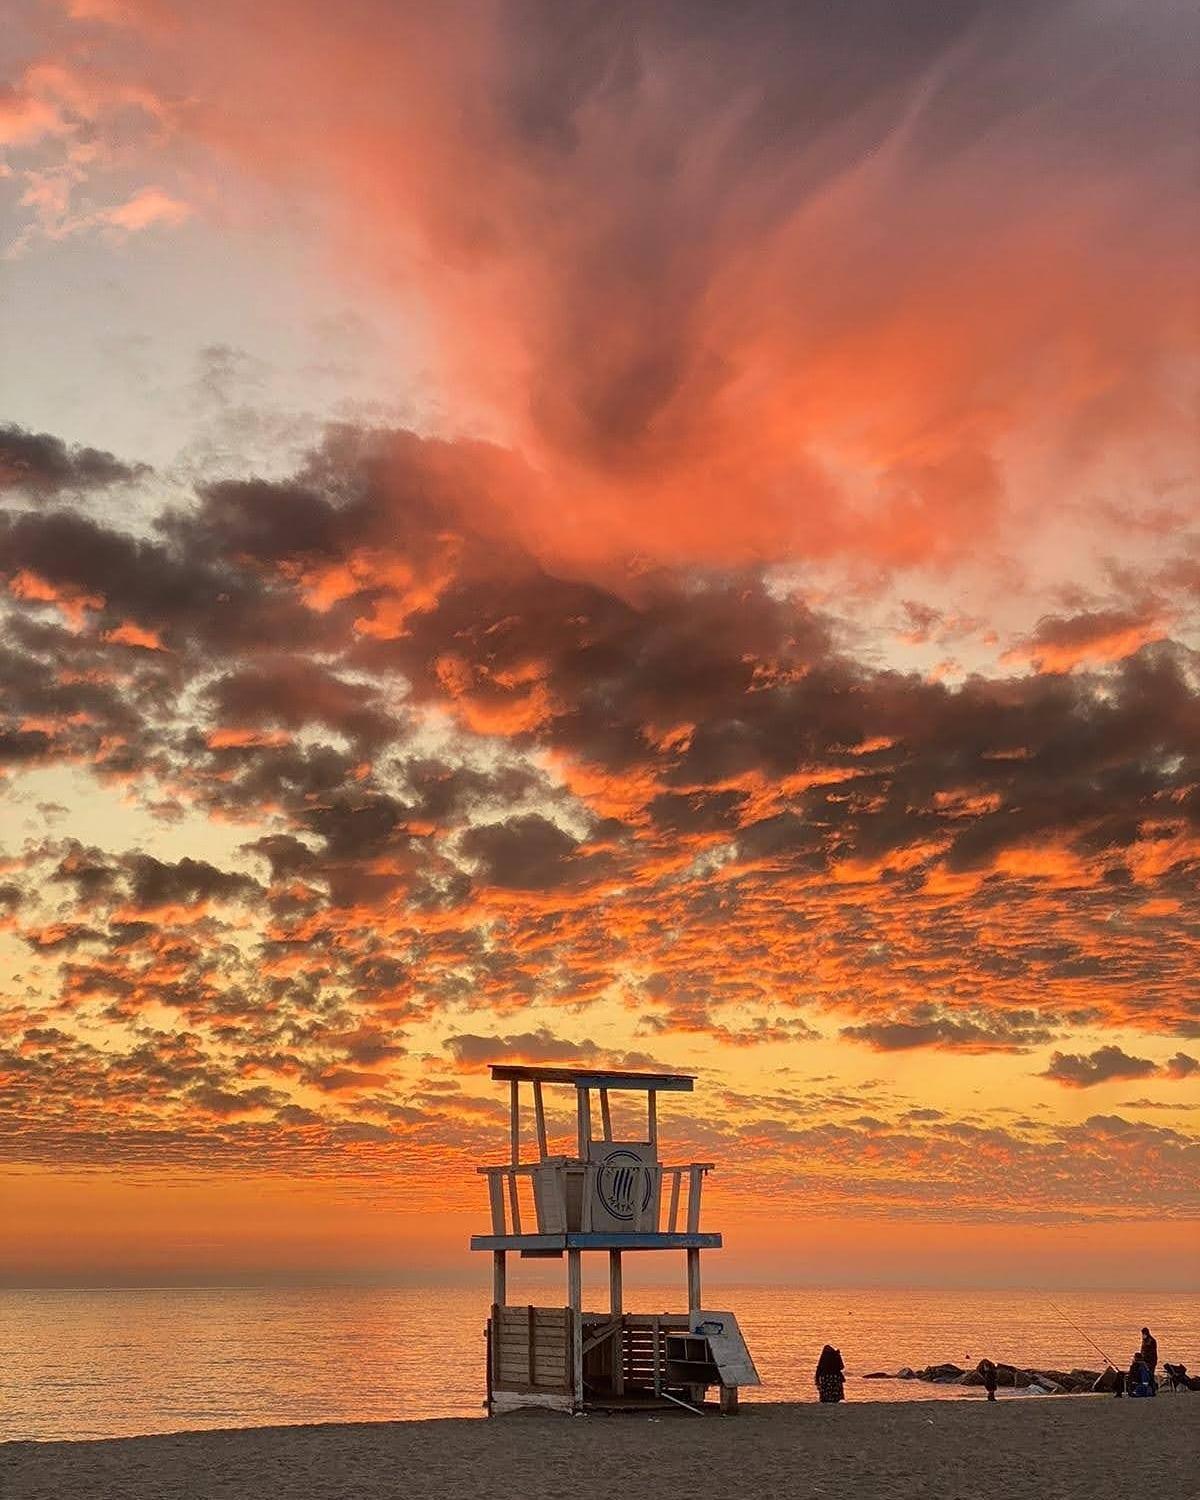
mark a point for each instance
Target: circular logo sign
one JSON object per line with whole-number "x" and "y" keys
{"x": 618, "y": 1180}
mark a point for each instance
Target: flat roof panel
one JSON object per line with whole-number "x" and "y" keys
{"x": 599, "y": 1240}
{"x": 592, "y": 1078}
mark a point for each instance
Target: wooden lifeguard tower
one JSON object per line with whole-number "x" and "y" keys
{"x": 608, "y": 1197}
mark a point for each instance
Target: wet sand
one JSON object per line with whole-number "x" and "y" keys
{"x": 1054, "y": 1448}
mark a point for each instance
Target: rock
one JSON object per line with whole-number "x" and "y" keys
{"x": 1022, "y": 1377}
{"x": 1086, "y": 1378}
{"x": 906, "y": 1374}
{"x": 971, "y": 1377}
{"x": 881, "y": 1375}
{"x": 1107, "y": 1382}
{"x": 1006, "y": 1375}
{"x": 944, "y": 1372}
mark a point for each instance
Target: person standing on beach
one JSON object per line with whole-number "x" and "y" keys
{"x": 988, "y": 1370}
{"x": 830, "y": 1376}
{"x": 1150, "y": 1357}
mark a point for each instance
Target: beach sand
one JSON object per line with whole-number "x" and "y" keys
{"x": 1065, "y": 1448}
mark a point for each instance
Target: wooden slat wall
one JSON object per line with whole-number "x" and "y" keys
{"x": 531, "y": 1348}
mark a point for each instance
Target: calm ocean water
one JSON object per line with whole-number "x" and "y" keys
{"x": 81, "y": 1364}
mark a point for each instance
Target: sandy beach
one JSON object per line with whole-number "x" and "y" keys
{"x": 1056, "y": 1449}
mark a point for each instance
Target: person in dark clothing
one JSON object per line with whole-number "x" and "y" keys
{"x": 1150, "y": 1357}
{"x": 988, "y": 1370}
{"x": 1137, "y": 1382}
{"x": 830, "y": 1376}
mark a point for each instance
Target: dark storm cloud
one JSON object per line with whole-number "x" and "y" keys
{"x": 294, "y": 691}
{"x": 41, "y": 465}
{"x": 524, "y": 853}
{"x": 1079, "y": 1071}
{"x": 997, "y": 1034}
{"x": 474, "y": 1051}
{"x": 182, "y": 598}
{"x": 155, "y": 882}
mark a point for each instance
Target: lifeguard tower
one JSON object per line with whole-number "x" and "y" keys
{"x": 608, "y": 1197}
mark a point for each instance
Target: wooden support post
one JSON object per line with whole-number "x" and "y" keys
{"x": 693, "y": 1282}
{"x": 616, "y": 1307}
{"x": 539, "y": 1114}
{"x": 652, "y": 1117}
{"x": 605, "y": 1115}
{"x": 575, "y": 1279}
{"x": 584, "y": 1097}
{"x": 696, "y": 1178}
{"x": 514, "y": 1203}
{"x": 499, "y": 1278}
{"x": 491, "y": 1340}
{"x": 676, "y": 1179}
{"x": 496, "y": 1196}
{"x": 614, "y": 1283}
{"x": 575, "y": 1320}
{"x": 514, "y": 1103}
{"x": 531, "y": 1362}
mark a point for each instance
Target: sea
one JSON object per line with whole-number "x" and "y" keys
{"x": 102, "y": 1364}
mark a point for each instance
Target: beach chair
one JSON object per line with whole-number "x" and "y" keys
{"x": 1177, "y": 1377}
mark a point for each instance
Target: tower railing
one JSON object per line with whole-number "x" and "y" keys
{"x": 563, "y": 1193}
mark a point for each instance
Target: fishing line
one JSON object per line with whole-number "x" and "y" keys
{"x": 1082, "y": 1335}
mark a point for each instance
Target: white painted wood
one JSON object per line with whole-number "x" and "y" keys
{"x": 696, "y": 1178}
{"x": 514, "y": 1203}
{"x": 549, "y": 1198}
{"x": 499, "y": 1278}
{"x": 496, "y": 1195}
{"x": 584, "y": 1097}
{"x": 676, "y": 1179}
{"x": 614, "y": 1283}
{"x": 574, "y": 1280}
{"x": 539, "y": 1114}
{"x": 504, "y": 1402}
{"x": 514, "y": 1105}
{"x": 693, "y": 1281}
{"x": 605, "y": 1115}
{"x": 652, "y": 1117}
{"x": 727, "y": 1347}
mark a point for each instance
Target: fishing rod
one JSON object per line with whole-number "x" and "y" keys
{"x": 1082, "y": 1335}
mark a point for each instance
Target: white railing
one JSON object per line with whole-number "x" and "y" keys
{"x": 564, "y": 1192}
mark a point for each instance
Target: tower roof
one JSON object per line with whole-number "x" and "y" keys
{"x": 592, "y": 1078}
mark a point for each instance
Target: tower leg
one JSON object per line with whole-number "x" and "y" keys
{"x": 693, "y": 1281}
{"x": 499, "y": 1278}
{"x": 575, "y": 1299}
{"x": 616, "y": 1308}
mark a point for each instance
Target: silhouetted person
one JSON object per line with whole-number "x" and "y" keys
{"x": 831, "y": 1377}
{"x": 1150, "y": 1356}
{"x": 988, "y": 1370}
{"x": 1137, "y": 1382}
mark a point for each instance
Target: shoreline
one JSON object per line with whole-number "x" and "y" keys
{"x": 1071, "y": 1448}
{"x": 532, "y": 1414}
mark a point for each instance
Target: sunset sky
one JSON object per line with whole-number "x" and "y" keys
{"x": 662, "y": 534}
